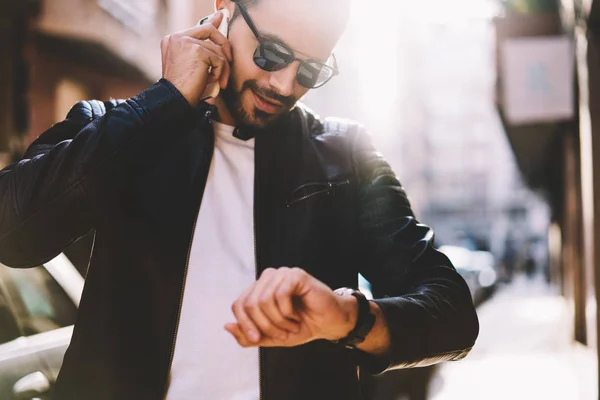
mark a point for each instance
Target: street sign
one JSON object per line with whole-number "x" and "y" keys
{"x": 537, "y": 75}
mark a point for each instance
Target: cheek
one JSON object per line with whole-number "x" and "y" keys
{"x": 299, "y": 91}
{"x": 244, "y": 67}
{"x": 245, "y": 70}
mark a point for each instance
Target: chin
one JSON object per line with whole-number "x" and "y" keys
{"x": 256, "y": 118}
{"x": 247, "y": 114}
{"x": 263, "y": 120}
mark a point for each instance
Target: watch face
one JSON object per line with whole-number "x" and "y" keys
{"x": 343, "y": 291}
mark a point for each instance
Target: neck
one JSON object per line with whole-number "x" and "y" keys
{"x": 225, "y": 116}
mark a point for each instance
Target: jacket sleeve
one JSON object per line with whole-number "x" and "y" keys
{"x": 426, "y": 303}
{"x": 54, "y": 195}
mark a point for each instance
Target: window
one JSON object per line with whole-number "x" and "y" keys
{"x": 39, "y": 302}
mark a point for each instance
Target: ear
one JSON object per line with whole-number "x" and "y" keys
{"x": 221, "y": 4}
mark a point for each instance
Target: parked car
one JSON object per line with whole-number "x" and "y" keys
{"x": 478, "y": 268}
{"x": 38, "y": 307}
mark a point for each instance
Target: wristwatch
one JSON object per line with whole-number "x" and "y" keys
{"x": 364, "y": 322}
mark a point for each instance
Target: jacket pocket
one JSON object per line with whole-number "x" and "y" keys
{"x": 312, "y": 189}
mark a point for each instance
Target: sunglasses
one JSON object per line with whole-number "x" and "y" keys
{"x": 274, "y": 56}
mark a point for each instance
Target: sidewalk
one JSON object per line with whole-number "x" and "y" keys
{"x": 524, "y": 352}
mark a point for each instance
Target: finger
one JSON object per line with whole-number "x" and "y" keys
{"x": 248, "y": 328}
{"x": 239, "y": 336}
{"x": 217, "y": 65}
{"x": 284, "y": 295}
{"x": 215, "y": 62}
{"x": 273, "y": 308}
{"x": 225, "y": 76}
{"x": 214, "y": 20}
{"x": 215, "y": 48}
{"x": 290, "y": 289}
{"x": 163, "y": 53}
{"x": 262, "y": 298}
{"x": 220, "y": 74}
{"x": 221, "y": 39}
{"x": 208, "y": 31}
{"x": 235, "y": 330}
{"x": 213, "y": 59}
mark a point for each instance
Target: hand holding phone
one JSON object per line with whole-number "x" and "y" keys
{"x": 181, "y": 52}
{"x": 212, "y": 89}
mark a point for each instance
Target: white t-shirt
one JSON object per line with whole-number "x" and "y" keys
{"x": 208, "y": 363}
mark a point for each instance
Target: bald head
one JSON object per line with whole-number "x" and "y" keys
{"x": 333, "y": 14}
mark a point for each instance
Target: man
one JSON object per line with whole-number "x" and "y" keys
{"x": 223, "y": 229}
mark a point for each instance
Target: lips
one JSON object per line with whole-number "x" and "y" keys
{"x": 268, "y": 106}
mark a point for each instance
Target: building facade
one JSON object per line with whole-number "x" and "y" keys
{"x": 63, "y": 51}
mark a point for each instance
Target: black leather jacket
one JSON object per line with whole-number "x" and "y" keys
{"x": 325, "y": 201}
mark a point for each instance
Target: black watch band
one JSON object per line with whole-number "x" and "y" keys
{"x": 364, "y": 322}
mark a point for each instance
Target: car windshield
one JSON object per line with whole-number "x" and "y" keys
{"x": 38, "y": 301}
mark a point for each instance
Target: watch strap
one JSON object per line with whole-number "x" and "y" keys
{"x": 364, "y": 321}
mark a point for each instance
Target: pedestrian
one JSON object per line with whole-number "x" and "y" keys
{"x": 230, "y": 232}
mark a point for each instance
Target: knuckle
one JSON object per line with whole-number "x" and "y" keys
{"x": 264, "y": 300}
{"x": 283, "y": 270}
{"x": 202, "y": 52}
{"x": 297, "y": 271}
{"x": 250, "y": 304}
{"x": 279, "y": 319}
{"x": 282, "y": 293}
{"x": 209, "y": 29}
{"x": 220, "y": 51}
{"x": 269, "y": 329}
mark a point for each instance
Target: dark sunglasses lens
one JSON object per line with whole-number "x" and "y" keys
{"x": 313, "y": 74}
{"x": 272, "y": 56}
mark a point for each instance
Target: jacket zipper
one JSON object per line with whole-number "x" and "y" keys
{"x": 260, "y": 350}
{"x": 257, "y": 270}
{"x": 185, "y": 272}
{"x": 328, "y": 187}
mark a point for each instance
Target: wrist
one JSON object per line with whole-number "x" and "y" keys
{"x": 192, "y": 98}
{"x": 360, "y": 319}
{"x": 349, "y": 305}
{"x": 177, "y": 92}
{"x": 182, "y": 87}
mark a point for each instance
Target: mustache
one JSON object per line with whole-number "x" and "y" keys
{"x": 269, "y": 94}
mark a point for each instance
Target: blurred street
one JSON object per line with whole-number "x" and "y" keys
{"x": 524, "y": 351}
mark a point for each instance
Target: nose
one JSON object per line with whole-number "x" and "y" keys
{"x": 284, "y": 80}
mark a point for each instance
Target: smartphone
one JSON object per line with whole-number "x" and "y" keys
{"x": 212, "y": 89}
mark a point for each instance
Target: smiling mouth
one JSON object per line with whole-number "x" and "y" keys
{"x": 268, "y": 106}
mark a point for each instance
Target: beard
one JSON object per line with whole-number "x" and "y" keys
{"x": 254, "y": 118}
